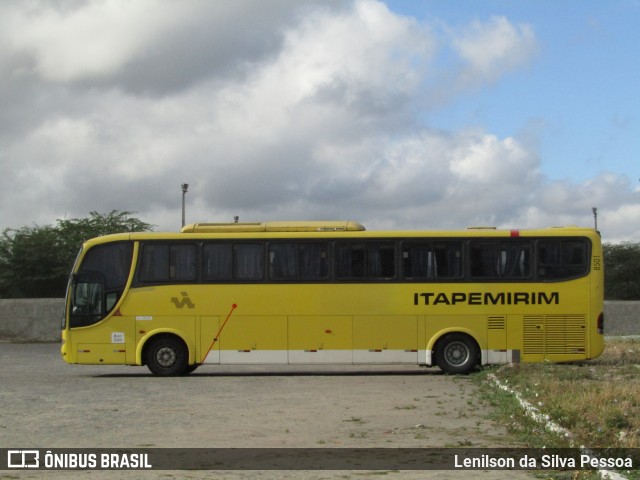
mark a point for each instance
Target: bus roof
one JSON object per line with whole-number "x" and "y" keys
{"x": 332, "y": 229}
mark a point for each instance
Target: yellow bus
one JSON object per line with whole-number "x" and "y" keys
{"x": 335, "y": 293}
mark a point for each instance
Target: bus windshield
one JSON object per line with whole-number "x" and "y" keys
{"x": 99, "y": 282}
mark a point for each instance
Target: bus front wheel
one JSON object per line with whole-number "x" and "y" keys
{"x": 457, "y": 353}
{"x": 167, "y": 356}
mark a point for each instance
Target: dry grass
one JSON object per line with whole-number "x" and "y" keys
{"x": 598, "y": 401}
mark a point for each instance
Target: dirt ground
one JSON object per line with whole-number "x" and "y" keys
{"x": 45, "y": 403}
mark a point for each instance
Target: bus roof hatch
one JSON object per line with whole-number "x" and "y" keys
{"x": 297, "y": 226}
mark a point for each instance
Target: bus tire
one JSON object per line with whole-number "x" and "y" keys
{"x": 167, "y": 356}
{"x": 457, "y": 353}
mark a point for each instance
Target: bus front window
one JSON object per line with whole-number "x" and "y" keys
{"x": 87, "y": 298}
{"x": 99, "y": 282}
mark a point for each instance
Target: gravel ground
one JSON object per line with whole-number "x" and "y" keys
{"x": 45, "y": 403}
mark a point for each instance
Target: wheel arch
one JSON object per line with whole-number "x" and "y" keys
{"x": 436, "y": 339}
{"x": 146, "y": 340}
{"x": 433, "y": 341}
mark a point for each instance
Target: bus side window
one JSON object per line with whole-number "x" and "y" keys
{"x": 168, "y": 262}
{"x": 351, "y": 260}
{"x": 154, "y": 264}
{"x": 217, "y": 259}
{"x": 418, "y": 261}
{"x": 562, "y": 258}
{"x": 182, "y": 263}
{"x": 548, "y": 258}
{"x": 447, "y": 259}
{"x": 515, "y": 260}
{"x": 484, "y": 261}
{"x": 574, "y": 257}
{"x": 283, "y": 261}
{"x": 314, "y": 261}
{"x": 381, "y": 260}
{"x": 248, "y": 261}
{"x": 442, "y": 259}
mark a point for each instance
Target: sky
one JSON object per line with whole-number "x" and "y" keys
{"x": 399, "y": 114}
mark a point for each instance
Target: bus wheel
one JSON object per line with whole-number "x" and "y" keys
{"x": 457, "y": 353}
{"x": 167, "y": 356}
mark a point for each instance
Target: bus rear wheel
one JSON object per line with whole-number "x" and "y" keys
{"x": 167, "y": 356}
{"x": 457, "y": 353}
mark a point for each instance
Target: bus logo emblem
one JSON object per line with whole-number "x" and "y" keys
{"x": 184, "y": 301}
{"x": 23, "y": 458}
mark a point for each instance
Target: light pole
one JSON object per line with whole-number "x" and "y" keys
{"x": 595, "y": 216}
{"x": 185, "y": 188}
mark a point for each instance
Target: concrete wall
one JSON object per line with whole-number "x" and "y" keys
{"x": 621, "y": 318}
{"x": 39, "y": 320}
{"x": 31, "y": 320}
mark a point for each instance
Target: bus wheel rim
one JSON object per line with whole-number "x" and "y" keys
{"x": 166, "y": 356}
{"x": 456, "y": 353}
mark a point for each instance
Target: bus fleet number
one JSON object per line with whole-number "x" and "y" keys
{"x": 597, "y": 263}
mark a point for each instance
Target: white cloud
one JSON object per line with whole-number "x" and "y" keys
{"x": 97, "y": 38}
{"x": 492, "y": 48}
{"x": 490, "y": 160}
{"x": 324, "y": 118}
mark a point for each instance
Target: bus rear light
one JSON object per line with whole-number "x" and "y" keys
{"x": 515, "y": 233}
{"x": 601, "y": 323}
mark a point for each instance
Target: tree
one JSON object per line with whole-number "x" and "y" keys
{"x": 30, "y": 263}
{"x": 622, "y": 271}
{"x": 36, "y": 261}
{"x": 73, "y": 233}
